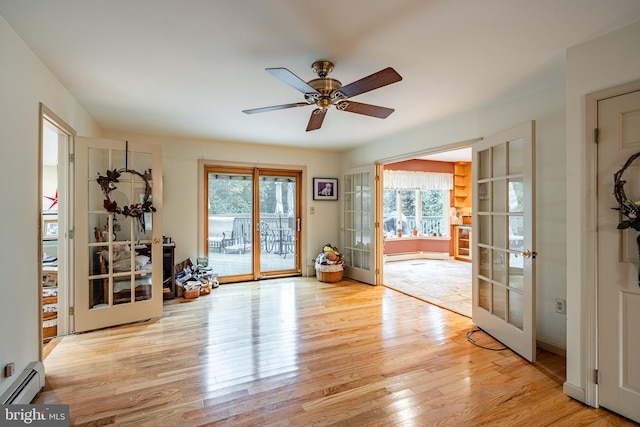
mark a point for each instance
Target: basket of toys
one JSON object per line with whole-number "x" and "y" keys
{"x": 194, "y": 281}
{"x": 329, "y": 264}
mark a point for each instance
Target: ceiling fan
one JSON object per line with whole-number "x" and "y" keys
{"x": 324, "y": 92}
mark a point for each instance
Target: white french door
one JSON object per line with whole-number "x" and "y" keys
{"x": 618, "y": 280}
{"x": 358, "y": 223}
{"x": 118, "y": 257}
{"x": 504, "y": 239}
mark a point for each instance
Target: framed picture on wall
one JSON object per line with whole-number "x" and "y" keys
{"x": 325, "y": 189}
{"x": 50, "y": 228}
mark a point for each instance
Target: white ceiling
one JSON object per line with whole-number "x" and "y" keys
{"x": 189, "y": 67}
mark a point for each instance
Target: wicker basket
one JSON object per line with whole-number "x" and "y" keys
{"x": 49, "y": 331}
{"x": 205, "y": 289}
{"x": 329, "y": 273}
{"x": 191, "y": 293}
{"x": 329, "y": 276}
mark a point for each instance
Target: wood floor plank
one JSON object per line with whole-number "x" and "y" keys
{"x": 298, "y": 352}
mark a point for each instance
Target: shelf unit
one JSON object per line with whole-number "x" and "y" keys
{"x": 462, "y": 242}
{"x": 462, "y": 185}
{"x": 49, "y": 272}
{"x": 168, "y": 268}
{"x": 49, "y": 303}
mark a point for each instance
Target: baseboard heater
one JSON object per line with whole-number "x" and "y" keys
{"x": 26, "y": 386}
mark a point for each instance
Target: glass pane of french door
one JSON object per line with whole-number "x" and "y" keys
{"x": 230, "y": 205}
{"x": 278, "y": 223}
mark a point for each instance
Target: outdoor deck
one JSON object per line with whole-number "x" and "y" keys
{"x": 226, "y": 264}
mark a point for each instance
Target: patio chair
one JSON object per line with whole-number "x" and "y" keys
{"x": 220, "y": 231}
{"x": 236, "y": 243}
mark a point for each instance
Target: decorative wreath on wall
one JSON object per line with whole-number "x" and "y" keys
{"x": 629, "y": 208}
{"x": 135, "y": 210}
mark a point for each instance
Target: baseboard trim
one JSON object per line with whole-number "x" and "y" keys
{"x": 416, "y": 255}
{"x": 573, "y": 392}
{"x": 552, "y": 348}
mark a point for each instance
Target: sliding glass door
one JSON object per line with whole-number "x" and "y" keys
{"x": 279, "y": 225}
{"x": 229, "y": 219}
{"x": 252, "y": 228}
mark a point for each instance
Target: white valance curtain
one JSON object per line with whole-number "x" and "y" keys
{"x": 414, "y": 180}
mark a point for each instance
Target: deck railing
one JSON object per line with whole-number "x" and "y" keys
{"x": 243, "y": 226}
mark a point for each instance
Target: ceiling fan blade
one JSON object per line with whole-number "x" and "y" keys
{"x": 316, "y": 119}
{"x": 366, "y": 84}
{"x": 275, "y": 107}
{"x": 291, "y": 79}
{"x": 365, "y": 109}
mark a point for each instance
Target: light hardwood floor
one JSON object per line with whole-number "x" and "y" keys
{"x": 298, "y": 352}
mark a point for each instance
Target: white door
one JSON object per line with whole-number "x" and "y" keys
{"x": 358, "y": 235}
{"x": 503, "y": 243}
{"x": 618, "y": 284}
{"x": 118, "y": 257}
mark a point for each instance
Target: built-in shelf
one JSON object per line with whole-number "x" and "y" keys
{"x": 462, "y": 242}
{"x": 462, "y": 185}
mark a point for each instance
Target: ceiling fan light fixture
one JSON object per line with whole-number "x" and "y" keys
{"x": 325, "y": 87}
{"x": 322, "y": 68}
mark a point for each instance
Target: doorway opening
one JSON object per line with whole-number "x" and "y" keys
{"x": 56, "y": 145}
{"x": 427, "y": 228}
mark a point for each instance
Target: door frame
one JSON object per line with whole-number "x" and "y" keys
{"x": 589, "y": 350}
{"x": 66, "y": 266}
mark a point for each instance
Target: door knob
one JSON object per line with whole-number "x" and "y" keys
{"x": 528, "y": 254}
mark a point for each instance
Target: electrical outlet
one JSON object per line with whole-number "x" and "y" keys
{"x": 312, "y": 210}
{"x": 560, "y": 305}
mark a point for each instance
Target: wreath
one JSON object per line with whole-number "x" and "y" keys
{"x": 136, "y": 210}
{"x": 629, "y": 208}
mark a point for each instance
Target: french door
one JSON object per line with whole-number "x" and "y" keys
{"x": 253, "y": 222}
{"x": 358, "y": 224}
{"x": 504, "y": 244}
{"x": 118, "y": 257}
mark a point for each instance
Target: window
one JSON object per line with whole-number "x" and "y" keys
{"x": 416, "y": 201}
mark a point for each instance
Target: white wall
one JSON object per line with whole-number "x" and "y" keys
{"x": 181, "y": 181}
{"x": 24, "y": 83}
{"x": 546, "y": 107}
{"x": 598, "y": 64}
